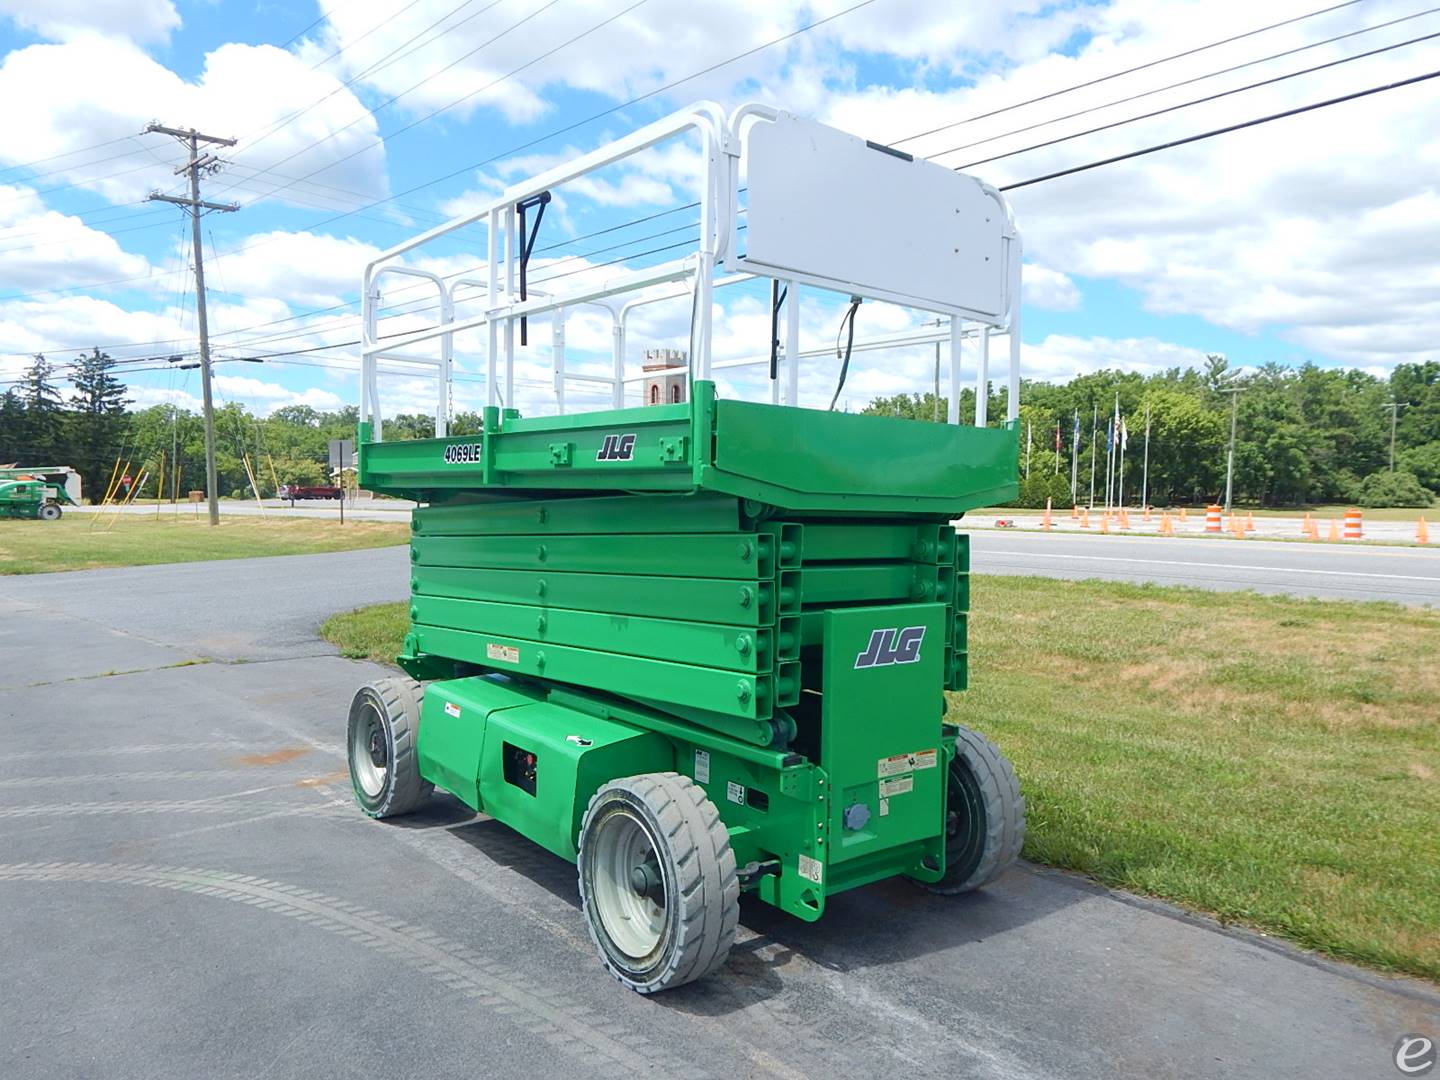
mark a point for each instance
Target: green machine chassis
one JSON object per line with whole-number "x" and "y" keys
{"x": 768, "y": 601}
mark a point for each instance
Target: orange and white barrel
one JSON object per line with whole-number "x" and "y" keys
{"x": 1353, "y": 520}
{"x": 1212, "y": 519}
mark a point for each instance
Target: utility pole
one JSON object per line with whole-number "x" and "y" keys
{"x": 1394, "y": 407}
{"x": 1234, "y": 392}
{"x": 209, "y": 162}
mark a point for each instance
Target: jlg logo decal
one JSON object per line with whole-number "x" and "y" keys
{"x": 617, "y": 448}
{"x": 893, "y": 646}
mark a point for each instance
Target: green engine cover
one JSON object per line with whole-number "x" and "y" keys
{"x": 504, "y": 750}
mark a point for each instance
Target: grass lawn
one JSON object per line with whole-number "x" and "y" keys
{"x": 1271, "y": 761}
{"x": 85, "y": 541}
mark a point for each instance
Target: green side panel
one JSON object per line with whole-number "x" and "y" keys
{"x": 749, "y": 603}
{"x": 573, "y": 754}
{"x": 804, "y": 459}
{"x": 880, "y": 741}
{"x": 716, "y": 555}
{"x": 452, "y": 730}
{"x": 871, "y": 584}
{"x": 735, "y": 648}
{"x": 728, "y": 692}
{"x": 869, "y": 541}
{"x": 584, "y": 516}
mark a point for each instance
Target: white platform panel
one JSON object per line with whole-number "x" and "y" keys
{"x": 826, "y": 206}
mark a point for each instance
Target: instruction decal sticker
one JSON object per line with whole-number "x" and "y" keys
{"x": 904, "y": 763}
{"x": 504, "y": 653}
{"x": 702, "y": 766}
{"x": 452, "y": 710}
{"x": 812, "y": 870}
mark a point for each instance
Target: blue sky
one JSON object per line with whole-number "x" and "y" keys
{"x": 1308, "y": 240}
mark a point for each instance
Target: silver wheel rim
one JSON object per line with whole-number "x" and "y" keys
{"x": 627, "y": 884}
{"x": 369, "y": 752}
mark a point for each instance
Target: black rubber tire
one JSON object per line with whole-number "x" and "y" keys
{"x": 395, "y": 704}
{"x": 697, "y": 868}
{"x": 985, "y": 817}
{"x": 50, "y": 512}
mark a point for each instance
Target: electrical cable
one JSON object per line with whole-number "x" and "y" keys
{"x": 1184, "y": 82}
{"x": 1127, "y": 71}
{"x": 1257, "y": 121}
{"x": 848, "y": 320}
{"x": 1197, "y": 101}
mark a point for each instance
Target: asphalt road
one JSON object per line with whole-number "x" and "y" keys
{"x": 1406, "y": 575}
{"x": 186, "y": 890}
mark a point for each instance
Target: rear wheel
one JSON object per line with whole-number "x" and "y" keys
{"x": 984, "y": 816}
{"x": 50, "y": 512}
{"x": 658, "y": 881}
{"x": 384, "y": 768}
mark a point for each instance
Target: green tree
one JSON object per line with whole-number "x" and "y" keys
{"x": 41, "y": 440}
{"x": 1393, "y": 489}
{"x": 97, "y": 422}
{"x": 12, "y": 420}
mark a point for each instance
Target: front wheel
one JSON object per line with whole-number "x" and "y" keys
{"x": 658, "y": 881}
{"x": 984, "y": 816}
{"x": 384, "y": 768}
{"x": 50, "y": 512}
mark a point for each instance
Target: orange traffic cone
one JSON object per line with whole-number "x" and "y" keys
{"x": 1334, "y": 536}
{"x": 1085, "y": 518}
{"x": 1147, "y": 513}
{"x": 1182, "y": 514}
{"x": 1422, "y": 532}
{"x": 1124, "y": 518}
{"x": 1045, "y": 521}
{"x": 1305, "y": 526}
{"x": 1074, "y": 513}
{"x": 1167, "y": 527}
{"x": 1249, "y": 522}
{"x": 1105, "y": 523}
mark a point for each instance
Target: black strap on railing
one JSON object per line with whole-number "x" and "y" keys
{"x": 777, "y": 297}
{"x": 527, "y": 244}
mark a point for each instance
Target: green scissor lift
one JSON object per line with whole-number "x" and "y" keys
{"x": 700, "y": 649}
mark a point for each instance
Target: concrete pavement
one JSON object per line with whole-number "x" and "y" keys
{"x": 186, "y": 890}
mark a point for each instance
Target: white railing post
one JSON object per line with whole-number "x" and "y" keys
{"x": 957, "y": 340}
{"x": 982, "y": 380}
{"x": 557, "y": 353}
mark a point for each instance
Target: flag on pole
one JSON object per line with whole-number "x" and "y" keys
{"x": 1057, "y": 436}
{"x": 1124, "y": 434}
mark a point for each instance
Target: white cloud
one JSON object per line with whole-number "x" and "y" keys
{"x": 39, "y": 245}
{"x": 1049, "y": 288}
{"x": 1060, "y": 357}
{"x": 98, "y": 89}
{"x": 60, "y": 20}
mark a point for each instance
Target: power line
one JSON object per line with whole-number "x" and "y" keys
{"x": 1184, "y": 82}
{"x": 391, "y": 100}
{"x": 1126, "y": 71}
{"x": 481, "y": 164}
{"x": 1221, "y": 131}
{"x": 1196, "y": 101}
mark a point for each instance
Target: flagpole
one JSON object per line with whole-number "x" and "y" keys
{"x": 1094, "y": 447}
{"x": 1124, "y": 438}
{"x": 1109, "y": 461}
{"x": 1074, "y": 456}
{"x": 1145, "y": 472}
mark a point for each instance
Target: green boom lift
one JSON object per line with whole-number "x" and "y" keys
{"x": 32, "y": 497}
{"x": 701, "y": 647}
